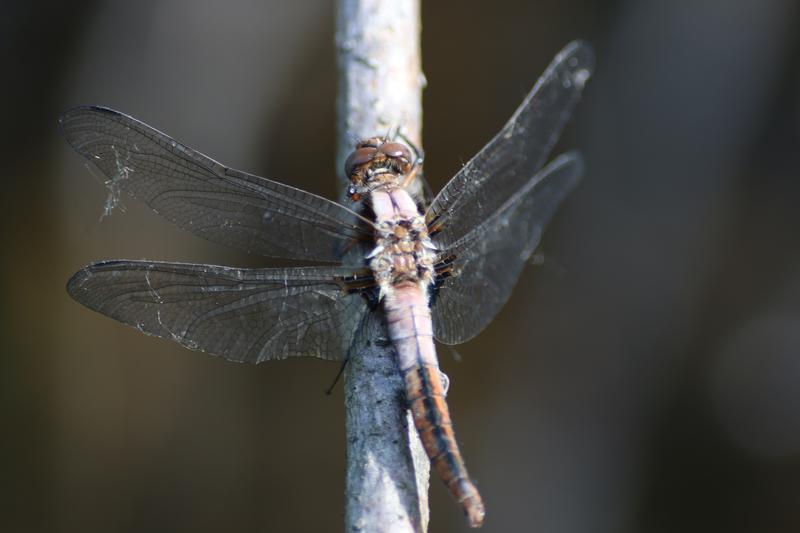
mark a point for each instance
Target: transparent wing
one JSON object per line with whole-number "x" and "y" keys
{"x": 213, "y": 201}
{"x": 487, "y": 262}
{"x": 242, "y": 315}
{"x": 517, "y": 152}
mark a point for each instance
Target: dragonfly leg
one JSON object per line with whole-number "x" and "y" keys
{"x": 419, "y": 153}
{"x": 338, "y": 376}
{"x": 416, "y": 168}
{"x": 445, "y": 268}
{"x": 442, "y": 270}
{"x": 363, "y": 283}
{"x": 435, "y": 225}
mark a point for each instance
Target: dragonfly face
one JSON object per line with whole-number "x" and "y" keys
{"x": 376, "y": 164}
{"x": 470, "y": 244}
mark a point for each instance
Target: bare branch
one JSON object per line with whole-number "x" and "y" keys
{"x": 380, "y": 90}
{"x": 380, "y": 73}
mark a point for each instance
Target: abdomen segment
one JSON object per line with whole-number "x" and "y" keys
{"x": 410, "y": 329}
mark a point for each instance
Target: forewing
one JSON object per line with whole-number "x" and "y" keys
{"x": 242, "y": 315}
{"x": 212, "y": 201}
{"x": 517, "y": 152}
{"x": 487, "y": 262}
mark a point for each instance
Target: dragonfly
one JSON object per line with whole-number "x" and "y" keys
{"x": 439, "y": 269}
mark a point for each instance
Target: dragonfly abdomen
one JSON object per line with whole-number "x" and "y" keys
{"x": 410, "y": 328}
{"x": 425, "y": 395}
{"x": 402, "y": 263}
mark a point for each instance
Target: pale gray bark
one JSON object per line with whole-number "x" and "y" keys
{"x": 380, "y": 90}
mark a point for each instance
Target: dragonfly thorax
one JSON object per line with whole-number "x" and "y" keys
{"x": 376, "y": 164}
{"x": 404, "y": 252}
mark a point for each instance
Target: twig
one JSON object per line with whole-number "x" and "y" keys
{"x": 380, "y": 90}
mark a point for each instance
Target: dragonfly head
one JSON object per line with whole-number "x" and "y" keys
{"x": 375, "y": 164}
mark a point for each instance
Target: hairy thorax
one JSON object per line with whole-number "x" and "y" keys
{"x": 404, "y": 254}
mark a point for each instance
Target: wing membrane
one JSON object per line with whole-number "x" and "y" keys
{"x": 245, "y": 315}
{"x": 489, "y": 259}
{"x": 212, "y": 201}
{"x": 517, "y": 152}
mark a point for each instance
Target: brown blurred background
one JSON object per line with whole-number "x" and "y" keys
{"x": 646, "y": 378}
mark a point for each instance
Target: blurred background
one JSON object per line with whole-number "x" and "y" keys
{"x": 643, "y": 379}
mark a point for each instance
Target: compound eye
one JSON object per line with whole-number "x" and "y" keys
{"x": 358, "y": 158}
{"x": 396, "y": 150}
{"x": 372, "y": 142}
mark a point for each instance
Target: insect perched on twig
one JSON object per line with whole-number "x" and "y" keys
{"x": 440, "y": 271}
